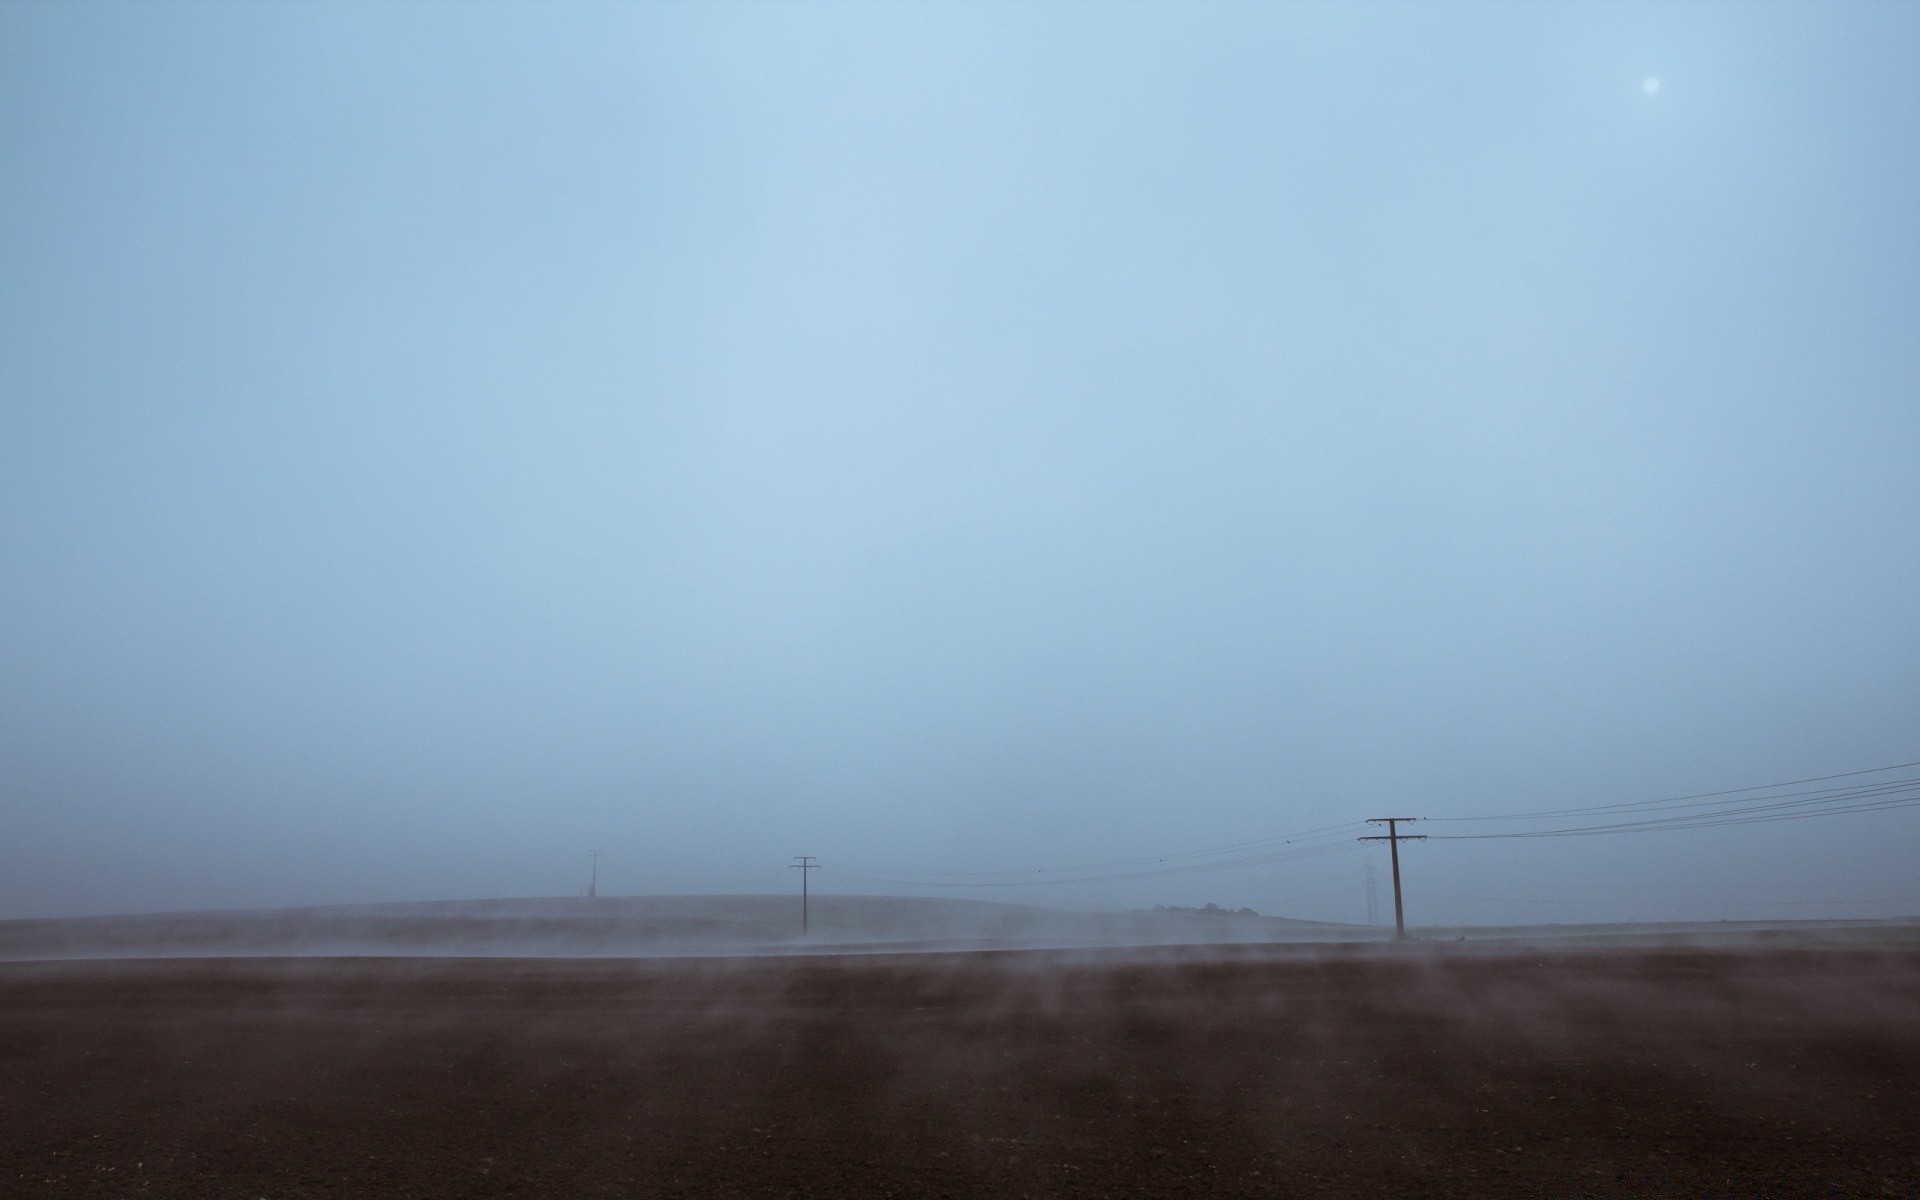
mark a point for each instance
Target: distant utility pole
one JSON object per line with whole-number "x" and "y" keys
{"x": 593, "y": 881}
{"x": 1373, "y": 896}
{"x": 1393, "y": 838}
{"x": 804, "y": 864}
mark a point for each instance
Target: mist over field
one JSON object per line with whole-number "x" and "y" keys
{"x": 997, "y": 449}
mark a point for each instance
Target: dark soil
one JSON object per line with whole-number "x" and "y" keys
{"x": 1256, "y": 1073}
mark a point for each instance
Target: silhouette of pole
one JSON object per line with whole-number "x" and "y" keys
{"x": 1393, "y": 837}
{"x": 593, "y": 881}
{"x": 804, "y": 864}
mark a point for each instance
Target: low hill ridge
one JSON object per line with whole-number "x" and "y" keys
{"x": 637, "y": 925}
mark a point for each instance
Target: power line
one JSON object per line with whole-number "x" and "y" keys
{"x": 1816, "y": 796}
{"x": 1684, "y": 900}
{"x": 1323, "y": 833}
{"x": 1905, "y": 795}
{"x": 1560, "y": 892}
{"x": 1043, "y": 878}
{"x": 1752, "y": 805}
{"x": 1756, "y": 804}
{"x": 1640, "y": 804}
{"x": 1055, "y": 881}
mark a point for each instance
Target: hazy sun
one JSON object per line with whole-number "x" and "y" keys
{"x": 1650, "y": 85}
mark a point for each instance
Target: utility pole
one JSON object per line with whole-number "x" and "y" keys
{"x": 804, "y": 864}
{"x": 1373, "y": 896}
{"x": 1393, "y": 838}
{"x": 593, "y": 881}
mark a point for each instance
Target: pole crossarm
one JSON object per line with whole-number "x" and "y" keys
{"x": 806, "y": 864}
{"x": 1393, "y": 837}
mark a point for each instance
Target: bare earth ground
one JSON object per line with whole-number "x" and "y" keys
{"x": 1366, "y": 1072}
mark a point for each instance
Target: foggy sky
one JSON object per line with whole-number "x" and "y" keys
{"x": 440, "y": 441}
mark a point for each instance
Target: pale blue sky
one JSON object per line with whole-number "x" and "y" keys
{"x": 440, "y": 440}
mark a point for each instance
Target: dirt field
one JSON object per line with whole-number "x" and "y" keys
{"x": 1463, "y": 1072}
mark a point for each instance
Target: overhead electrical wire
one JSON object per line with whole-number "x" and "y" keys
{"x": 1752, "y": 809}
{"x": 1674, "y": 800}
{"x": 1061, "y": 881}
{"x": 1688, "y": 900}
{"x": 1594, "y": 831}
{"x": 1153, "y": 859}
{"x": 1758, "y": 804}
{"x": 1313, "y": 843}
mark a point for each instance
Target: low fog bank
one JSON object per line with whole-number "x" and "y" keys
{"x": 642, "y": 925}
{"x": 653, "y": 926}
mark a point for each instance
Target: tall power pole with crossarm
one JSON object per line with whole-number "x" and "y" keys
{"x": 1393, "y": 837}
{"x": 804, "y": 864}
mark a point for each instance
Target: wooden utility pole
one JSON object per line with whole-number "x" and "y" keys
{"x": 593, "y": 881}
{"x": 804, "y": 864}
{"x": 1393, "y": 837}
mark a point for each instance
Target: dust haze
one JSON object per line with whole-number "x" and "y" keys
{"x": 1223, "y": 1072}
{"x": 965, "y": 443}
